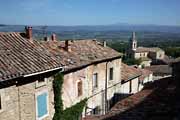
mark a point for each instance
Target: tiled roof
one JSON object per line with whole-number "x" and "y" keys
{"x": 146, "y": 49}
{"x": 145, "y": 73}
{"x": 129, "y": 72}
{"x": 160, "y": 69}
{"x": 83, "y": 52}
{"x": 177, "y": 60}
{"x": 157, "y": 101}
{"x": 19, "y": 56}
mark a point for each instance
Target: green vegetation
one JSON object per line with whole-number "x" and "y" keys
{"x": 173, "y": 51}
{"x": 58, "y": 104}
{"x": 131, "y": 61}
{"x": 74, "y": 112}
{"x": 71, "y": 113}
{"x": 119, "y": 46}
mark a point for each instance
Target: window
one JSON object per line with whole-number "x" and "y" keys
{"x": 130, "y": 86}
{"x": 41, "y": 105}
{"x": 111, "y": 74}
{"x": 79, "y": 87}
{"x": 95, "y": 80}
{"x": 0, "y": 102}
{"x": 96, "y": 110}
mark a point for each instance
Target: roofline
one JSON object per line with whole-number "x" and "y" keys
{"x": 95, "y": 62}
{"x": 32, "y": 74}
{"x": 37, "y": 73}
{"x": 127, "y": 80}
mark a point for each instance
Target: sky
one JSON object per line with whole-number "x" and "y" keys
{"x": 89, "y": 12}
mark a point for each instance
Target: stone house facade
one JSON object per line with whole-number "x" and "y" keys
{"x": 26, "y": 75}
{"x": 134, "y": 79}
{"x": 130, "y": 80}
{"x": 92, "y": 71}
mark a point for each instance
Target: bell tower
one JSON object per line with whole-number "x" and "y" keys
{"x": 133, "y": 42}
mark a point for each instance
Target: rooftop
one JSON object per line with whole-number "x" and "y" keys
{"x": 19, "y": 56}
{"x": 156, "y": 101}
{"x": 83, "y": 52}
{"x": 146, "y": 49}
{"x": 160, "y": 69}
{"x": 129, "y": 72}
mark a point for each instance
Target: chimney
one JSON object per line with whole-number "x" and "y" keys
{"x": 67, "y": 46}
{"x": 28, "y": 32}
{"x": 46, "y": 38}
{"x": 104, "y": 43}
{"x": 53, "y": 37}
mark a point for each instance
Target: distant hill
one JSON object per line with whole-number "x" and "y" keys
{"x": 113, "y": 27}
{"x": 118, "y": 31}
{"x": 2, "y": 25}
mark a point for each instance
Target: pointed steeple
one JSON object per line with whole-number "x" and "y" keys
{"x": 133, "y": 41}
{"x": 134, "y": 36}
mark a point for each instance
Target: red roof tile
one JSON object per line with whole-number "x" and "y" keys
{"x": 156, "y": 101}
{"x": 83, "y": 52}
{"x": 129, "y": 72}
{"x": 19, "y": 56}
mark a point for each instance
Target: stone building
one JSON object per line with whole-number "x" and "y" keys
{"x": 133, "y": 79}
{"x": 130, "y": 79}
{"x": 145, "y": 54}
{"x": 91, "y": 71}
{"x": 160, "y": 71}
{"x": 26, "y": 75}
{"x": 27, "y": 67}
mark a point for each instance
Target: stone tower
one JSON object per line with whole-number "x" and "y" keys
{"x": 133, "y": 42}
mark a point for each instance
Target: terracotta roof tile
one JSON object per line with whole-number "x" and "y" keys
{"x": 145, "y": 73}
{"x": 83, "y": 52}
{"x": 160, "y": 69}
{"x": 129, "y": 72}
{"x": 156, "y": 101}
{"x": 19, "y": 56}
{"x": 145, "y": 49}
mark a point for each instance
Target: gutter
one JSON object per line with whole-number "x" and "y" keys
{"x": 122, "y": 82}
{"x": 37, "y": 73}
{"x": 66, "y": 71}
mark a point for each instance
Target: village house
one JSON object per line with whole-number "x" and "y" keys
{"x": 160, "y": 71}
{"x": 145, "y": 54}
{"x": 133, "y": 79}
{"x": 26, "y": 75}
{"x": 92, "y": 70}
{"x": 130, "y": 79}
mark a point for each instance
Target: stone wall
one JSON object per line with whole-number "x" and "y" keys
{"x": 19, "y": 102}
{"x": 10, "y": 103}
{"x": 96, "y": 95}
{"x": 140, "y": 55}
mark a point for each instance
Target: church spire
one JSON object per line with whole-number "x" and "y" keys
{"x": 133, "y": 41}
{"x": 134, "y": 36}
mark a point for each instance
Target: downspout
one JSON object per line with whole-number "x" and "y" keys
{"x": 19, "y": 103}
{"x": 106, "y": 80}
